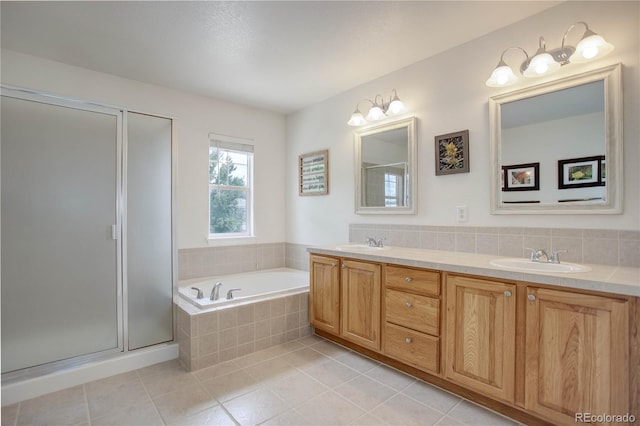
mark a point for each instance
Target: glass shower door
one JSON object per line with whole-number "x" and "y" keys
{"x": 60, "y": 267}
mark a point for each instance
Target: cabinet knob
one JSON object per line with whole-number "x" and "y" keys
{"x": 507, "y": 293}
{"x": 333, "y": 265}
{"x": 531, "y": 297}
{"x": 408, "y": 304}
{"x": 344, "y": 266}
{"x": 408, "y": 279}
{"x": 408, "y": 340}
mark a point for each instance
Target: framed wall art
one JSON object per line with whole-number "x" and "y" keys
{"x": 581, "y": 172}
{"x": 452, "y": 153}
{"x": 521, "y": 177}
{"x": 313, "y": 173}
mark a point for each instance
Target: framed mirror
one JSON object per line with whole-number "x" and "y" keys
{"x": 556, "y": 148}
{"x": 385, "y": 165}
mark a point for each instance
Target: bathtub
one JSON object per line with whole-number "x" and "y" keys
{"x": 254, "y": 286}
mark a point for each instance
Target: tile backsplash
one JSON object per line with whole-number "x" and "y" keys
{"x": 594, "y": 246}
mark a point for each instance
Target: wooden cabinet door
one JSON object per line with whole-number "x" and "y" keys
{"x": 324, "y": 294}
{"x": 576, "y": 355}
{"x": 361, "y": 303}
{"x": 480, "y": 335}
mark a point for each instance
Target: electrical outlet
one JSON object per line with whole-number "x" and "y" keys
{"x": 461, "y": 214}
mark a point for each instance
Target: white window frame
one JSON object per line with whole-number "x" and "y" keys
{"x": 242, "y": 146}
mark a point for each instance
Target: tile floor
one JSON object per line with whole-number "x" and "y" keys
{"x": 309, "y": 381}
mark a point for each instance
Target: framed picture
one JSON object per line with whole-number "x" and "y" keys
{"x": 581, "y": 172}
{"x": 313, "y": 173}
{"x": 521, "y": 177}
{"x": 452, "y": 153}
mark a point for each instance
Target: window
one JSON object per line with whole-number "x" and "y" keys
{"x": 230, "y": 188}
{"x": 392, "y": 189}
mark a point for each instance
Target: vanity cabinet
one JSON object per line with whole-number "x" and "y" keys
{"x": 361, "y": 303}
{"x": 412, "y": 317}
{"x": 324, "y": 294}
{"x": 577, "y": 349}
{"x": 344, "y": 298}
{"x": 481, "y": 335}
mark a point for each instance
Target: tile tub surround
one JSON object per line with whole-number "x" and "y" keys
{"x": 207, "y": 338}
{"x": 306, "y": 381}
{"x": 590, "y": 246}
{"x": 209, "y": 261}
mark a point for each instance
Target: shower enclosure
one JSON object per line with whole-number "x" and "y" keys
{"x": 87, "y": 240}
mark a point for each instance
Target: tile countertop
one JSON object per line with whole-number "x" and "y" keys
{"x": 608, "y": 279}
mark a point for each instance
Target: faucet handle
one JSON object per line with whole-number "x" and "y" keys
{"x": 555, "y": 255}
{"x": 533, "y": 256}
{"x": 199, "y": 290}
{"x": 230, "y": 293}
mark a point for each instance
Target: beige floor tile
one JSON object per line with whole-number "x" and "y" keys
{"x": 169, "y": 381}
{"x": 185, "y": 402}
{"x": 297, "y": 387}
{"x": 472, "y": 414}
{"x": 9, "y": 414}
{"x": 142, "y": 414}
{"x": 316, "y": 411}
{"x": 214, "y": 416}
{"x": 402, "y": 410}
{"x": 65, "y": 407}
{"x": 304, "y": 357}
{"x": 356, "y": 361}
{"x": 390, "y": 377}
{"x": 368, "y": 420}
{"x": 288, "y": 418}
{"x": 115, "y": 393}
{"x": 448, "y": 421}
{"x": 255, "y": 407}
{"x": 330, "y": 373}
{"x": 329, "y": 348}
{"x": 216, "y": 370}
{"x": 270, "y": 370}
{"x": 231, "y": 385}
{"x": 431, "y": 396}
{"x": 365, "y": 392}
{"x": 310, "y": 340}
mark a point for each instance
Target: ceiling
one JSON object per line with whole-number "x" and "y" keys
{"x": 277, "y": 55}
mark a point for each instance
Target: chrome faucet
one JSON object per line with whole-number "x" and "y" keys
{"x": 374, "y": 242}
{"x": 215, "y": 291}
{"x": 230, "y": 293}
{"x": 199, "y": 290}
{"x": 540, "y": 255}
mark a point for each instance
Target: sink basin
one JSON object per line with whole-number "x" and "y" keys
{"x": 359, "y": 247}
{"x": 525, "y": 265}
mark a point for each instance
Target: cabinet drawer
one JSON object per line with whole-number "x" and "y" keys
{"x": 425, "y": 282}
{"x": 412, "y": 347}
{"x": 419, "y": 313}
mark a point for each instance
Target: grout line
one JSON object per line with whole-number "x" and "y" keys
{"x": 146, "y": 391}
{"x": 86, "y": 403}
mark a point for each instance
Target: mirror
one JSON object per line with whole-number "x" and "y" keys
{"x": 385, "y": 168}
{"x": 556, "y": 148}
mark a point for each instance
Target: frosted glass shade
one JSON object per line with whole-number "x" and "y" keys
{"x": 590, "y": 47}
{"x": 502, "y": 76}
{"x": 541, "y": 64}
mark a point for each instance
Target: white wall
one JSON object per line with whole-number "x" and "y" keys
{"x": 195, "y": 117}
{"x": 447, "y": 93}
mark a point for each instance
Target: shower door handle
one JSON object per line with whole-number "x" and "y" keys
{"x": 114, "y": 232}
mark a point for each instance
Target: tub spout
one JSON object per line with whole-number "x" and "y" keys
{"x": 230, "y": 293}
{"x": 215, "y": 291}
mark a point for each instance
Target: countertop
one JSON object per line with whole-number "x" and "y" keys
{"x": 608, "y": 279}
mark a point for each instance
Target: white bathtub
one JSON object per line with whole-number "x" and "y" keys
{"x": 254, "y": 286}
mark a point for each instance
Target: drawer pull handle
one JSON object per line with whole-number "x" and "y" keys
{"x": 408, "y": 305}
{"x": 408, "y": 340}
{"x": 531, "y": 297}
{"x": 507, "y": 293}
{"x": 408, "y": 279}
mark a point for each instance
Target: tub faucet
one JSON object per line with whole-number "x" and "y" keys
{"x": 199, "y": 290}
{"x": 215, "y": 291}
{"x": 230, "y": 293}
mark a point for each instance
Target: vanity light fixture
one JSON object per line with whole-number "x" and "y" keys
{"x": 379, "y": 110}
{"x": 591, "y": 46}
